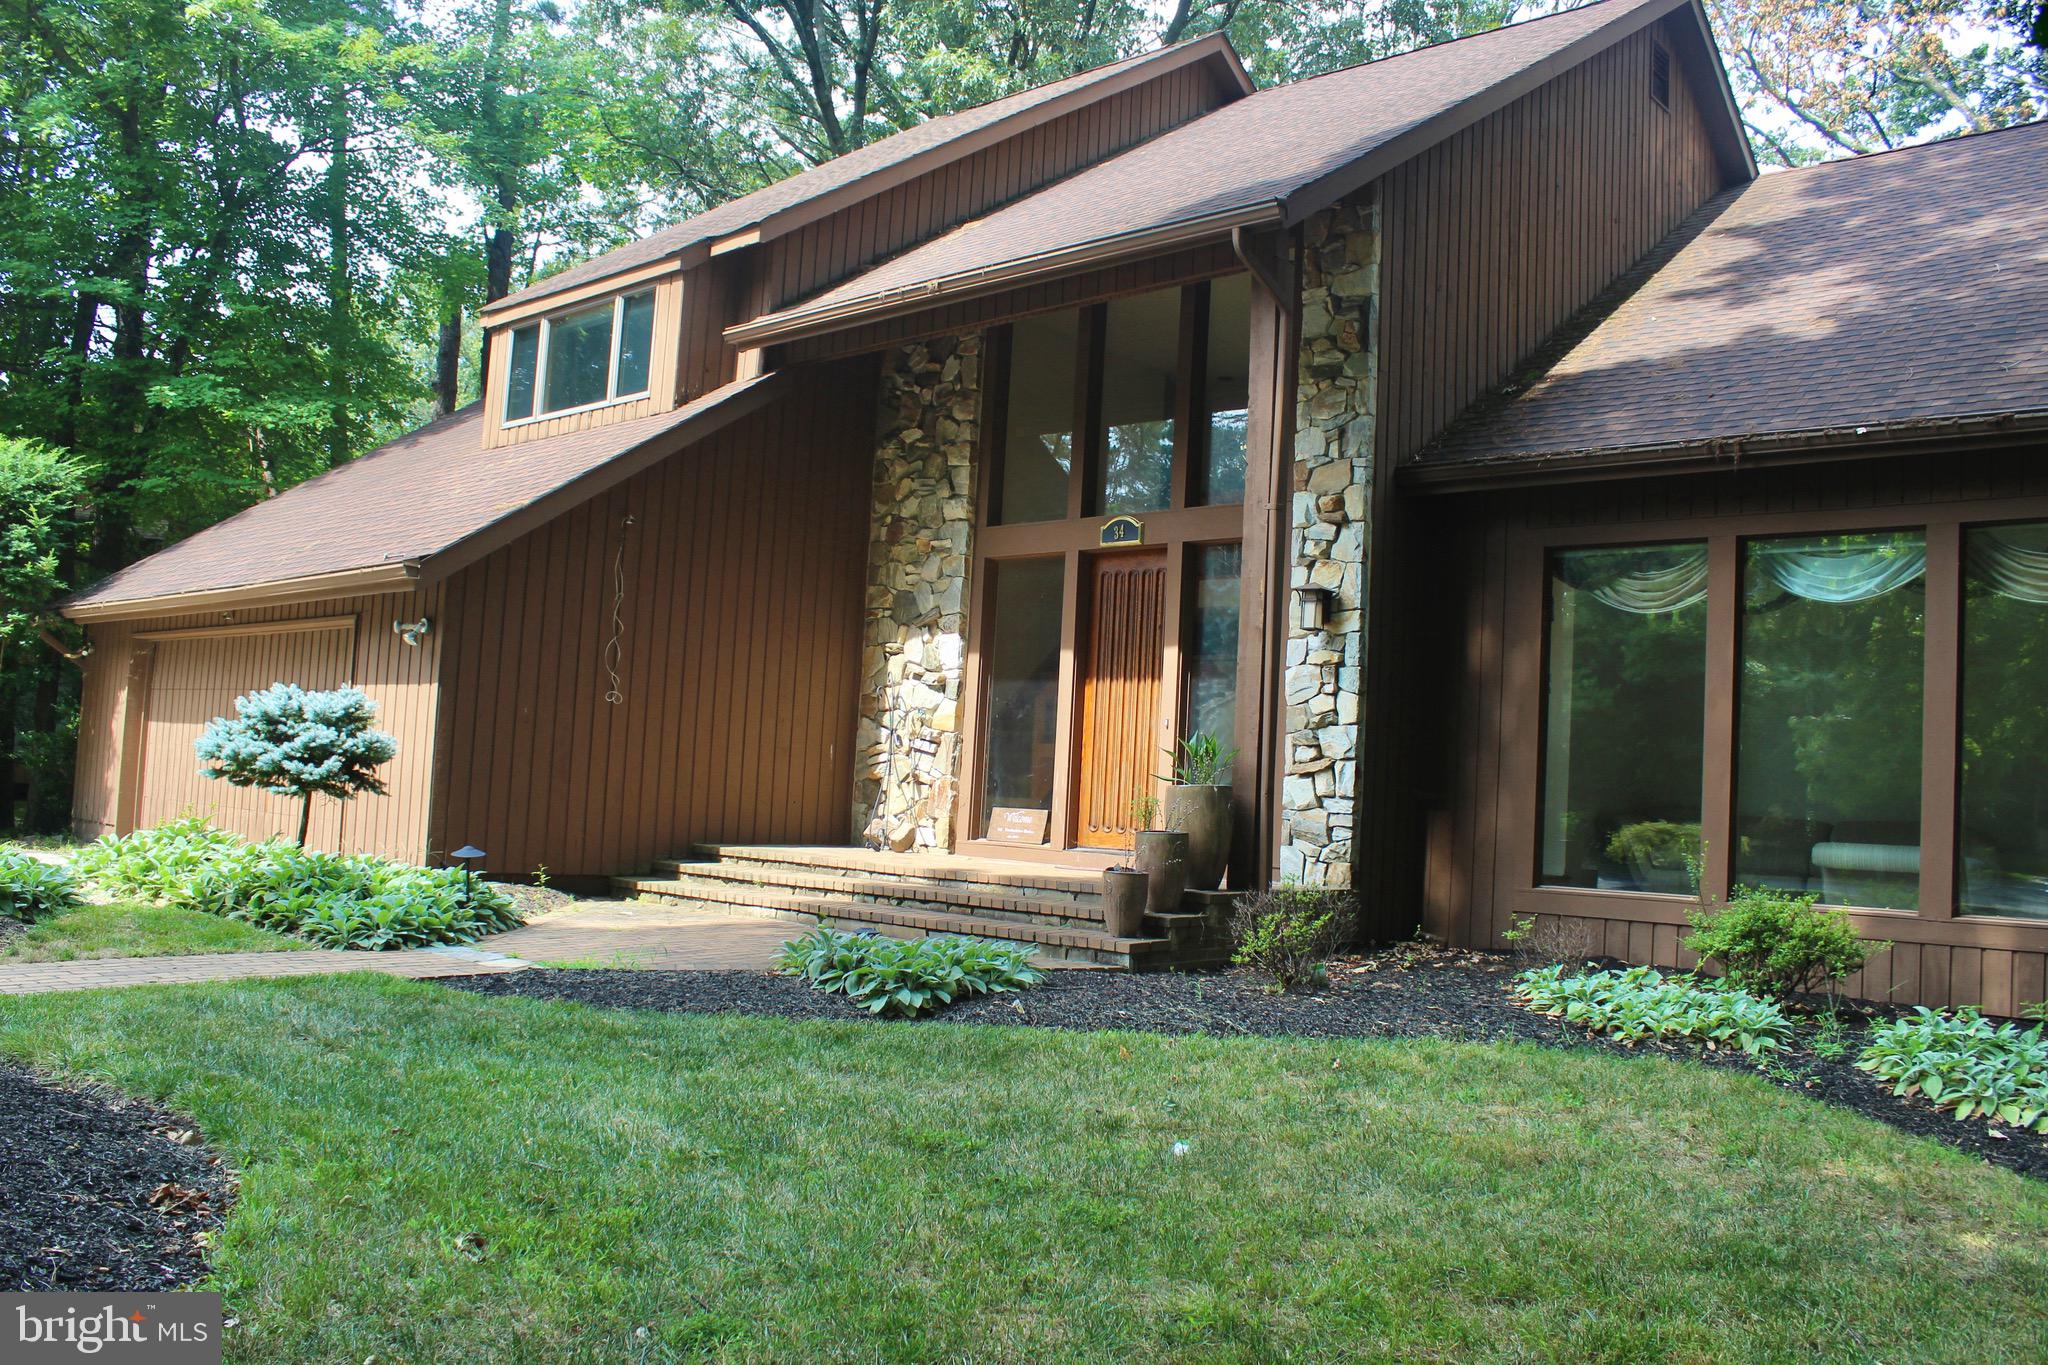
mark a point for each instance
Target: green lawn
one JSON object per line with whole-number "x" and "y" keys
{"x": 133, "y": 930}
{"x": 740, "y": 1189}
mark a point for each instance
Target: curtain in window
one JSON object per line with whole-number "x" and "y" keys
{"x": 2007, "y": 566}
{"x": 1851, "y": 572}
{"x": 1642, "y": 582}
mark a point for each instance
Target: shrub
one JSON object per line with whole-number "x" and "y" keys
{"x": 30, "y": 890}
{"x": 1635, "y": 1003}
{"x": 1778, "y": 945}
{"x": 153, "y": 864}
{"x": 1962, "y": 1062}
{"x": 346, "y": 902}
{"x": 286, "y": 740}
{"x": 906, "y": 977}
{"x": 1291, "y": 931}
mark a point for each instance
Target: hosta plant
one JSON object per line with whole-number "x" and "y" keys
{"x": 347, "y": 902}
{"x": 906, "y": 977}
{"x": 153, "y": 864}
{"x": 1633, "y": 1004}
{"x": 31, "y": 890}
{"x": 1965, "y": 1063}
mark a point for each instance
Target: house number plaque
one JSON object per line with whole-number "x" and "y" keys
{"x": 1123, "y": 531}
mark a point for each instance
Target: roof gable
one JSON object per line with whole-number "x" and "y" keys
{"x": 826, "y": 188}
{"x": 1274, "y": 156}
{"x": 1884, "y": 295}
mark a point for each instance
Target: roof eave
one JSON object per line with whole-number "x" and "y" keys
{"x": 396, "y": 576}
{"x": 1723, "y": 453}
{"x": 799, "y": 323}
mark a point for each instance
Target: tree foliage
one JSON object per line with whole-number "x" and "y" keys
{"x": 291, "y": 742}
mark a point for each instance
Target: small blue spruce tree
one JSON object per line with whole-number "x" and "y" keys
{"x": 287, "y": 740}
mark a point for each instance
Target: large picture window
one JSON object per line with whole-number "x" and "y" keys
{"x": 1625, "y": 690}
{"x": 2002, "y": 867}
{"x": 580, "y": 359}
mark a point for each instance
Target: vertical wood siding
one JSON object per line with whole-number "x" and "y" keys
{"x": 1490, "y": 242}
{"x": 738, "y": 653}
{"x": 819, "y": 254}
{"x": 1998, "y": 965}
{"x": 145, "y": 701}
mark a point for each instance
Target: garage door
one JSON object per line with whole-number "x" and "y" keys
{"x": 192, "y": 679}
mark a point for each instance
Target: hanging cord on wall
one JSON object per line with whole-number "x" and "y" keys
{"x": 614, "y": 647}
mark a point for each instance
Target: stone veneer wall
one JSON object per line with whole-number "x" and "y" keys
{"x": 914, "y": 648}
{"x": 1336, "y": 384}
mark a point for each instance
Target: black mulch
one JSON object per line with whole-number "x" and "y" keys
{"x": 100, "y": 1193}
{"x": 1408, "y": 992}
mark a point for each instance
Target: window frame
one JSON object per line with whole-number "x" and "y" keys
{"x": 1516, "y": 808}
{"x": 545, "y": 324}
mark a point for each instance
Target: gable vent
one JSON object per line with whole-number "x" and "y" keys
{"x": 1660, "y": 74}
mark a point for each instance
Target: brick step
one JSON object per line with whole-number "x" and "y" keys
{"x": 1017, "y": 877}
{"x": 1060, "y": 942}
{"x": 988, "y": 900}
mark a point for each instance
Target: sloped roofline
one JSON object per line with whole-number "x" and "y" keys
{"x": 1724, "y": 127}
{"x": 744, "y": 230}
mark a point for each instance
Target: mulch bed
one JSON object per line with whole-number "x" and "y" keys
{"x": 100, "y": 1193}
{"x": 1406, "y": 992}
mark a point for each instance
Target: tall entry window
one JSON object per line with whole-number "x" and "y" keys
{"x": 1625, "y": 693}
{"x": 2002, "y": 865}
{"x": 1108, "y": 563}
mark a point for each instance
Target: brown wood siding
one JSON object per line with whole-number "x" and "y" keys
{"x": 822, "y": 253}
{"x": 138, "y": 716}
{"x": 1489, "y": 242}
{"x": 1999, "y": 964}
{"x": 738, "y": 657}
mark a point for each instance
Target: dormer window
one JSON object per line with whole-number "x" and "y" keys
{"x": 580, "y": 359}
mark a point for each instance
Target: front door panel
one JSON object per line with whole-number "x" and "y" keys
{"x": 1119, "y": 703}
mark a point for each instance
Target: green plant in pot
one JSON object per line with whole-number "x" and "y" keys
{"x": 1124, "y": 889}
{"x": 1162, "y": 855}
{"x": 1198, "y": 803}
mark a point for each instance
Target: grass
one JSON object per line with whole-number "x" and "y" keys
{"x": 434, "y": 1176}
{"x": 130, "y": 929}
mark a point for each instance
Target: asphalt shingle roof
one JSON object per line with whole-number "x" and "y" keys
{"x": 1902, "y": 288}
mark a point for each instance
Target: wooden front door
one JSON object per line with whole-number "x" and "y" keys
{"x": 1126, "y": 619}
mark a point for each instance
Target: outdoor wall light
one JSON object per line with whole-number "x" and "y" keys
{"x": 1314, "y": 607}
{"x": 466, "y": 855}
{"x": 412, "y": 632}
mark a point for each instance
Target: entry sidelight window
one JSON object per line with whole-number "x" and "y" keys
{"x": 1021, "y": 722}
{"x": 1623, "y": 724}
{"x": 579, "y": 359}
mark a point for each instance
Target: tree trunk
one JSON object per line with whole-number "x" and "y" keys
{"x": 340, "y": 289}
{"x": 305, "y": 817}
{"x": 448, "y": 360}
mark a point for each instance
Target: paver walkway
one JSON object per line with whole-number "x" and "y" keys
{"x": 648, "y": 936}
{"x": 32, "y": 978}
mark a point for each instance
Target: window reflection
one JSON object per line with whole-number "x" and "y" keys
{"x": 1023, "y": 686}
{"x": 1140, "y": 367}
{"x": 1828, "y": 753}
{"x": 1038, "y": 434}
{"x": 579, "y": 358}
{"x": 1212, "y": 658}
{"x": 1226, "y": 392}
{"x": 1624, "y": 717}
{"x": 2003, "y": 868}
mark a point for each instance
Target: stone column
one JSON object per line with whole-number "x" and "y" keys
{"x": 922, "y": 523}
{"x": 1335, "y": 396}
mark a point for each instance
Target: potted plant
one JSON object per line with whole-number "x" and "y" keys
{"x": 1162, "y": 855}
{"x": 1123, "y": 900}
{"x": 1198, "y": 802}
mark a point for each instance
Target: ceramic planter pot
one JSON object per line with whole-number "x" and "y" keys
{"x": 1204, "y": 814}
{"x": 1163, "y": 857}
{"x": 1123, "y": 901}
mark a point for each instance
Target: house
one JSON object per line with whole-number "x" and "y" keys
{"x": 1538, "y": 499}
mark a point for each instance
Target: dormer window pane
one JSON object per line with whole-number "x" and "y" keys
{"x": 519, "y": 381}
{"x": 636, "y": 338}
{"x": 579, "y": 359}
